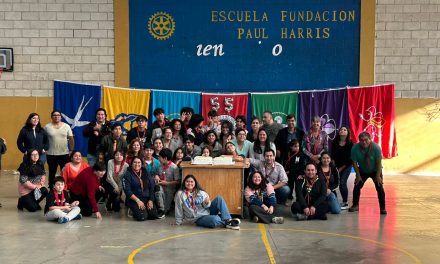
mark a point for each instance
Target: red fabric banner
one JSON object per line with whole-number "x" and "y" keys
{"x": 371, "y": 109}
{"x": 228, "y": 106}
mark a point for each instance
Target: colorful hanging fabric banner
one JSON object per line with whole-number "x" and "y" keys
{"x": 228, "y": 106}
{"x": 77, "y": 103}
{"x": 371, "y": 109}
{"x": 172, "y": 102}
{"x": 124, "y": 105}
{"x": 280, "y": 104}
{"x": 330, "y": 106}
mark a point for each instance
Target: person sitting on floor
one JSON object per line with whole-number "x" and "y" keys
{"x": 274, "y": 173}
{"x": 59, "y": 206}
{"x": 32, "y": 179}
{"x": 87, "y": 187}
{"x": 194, "y": 205}
{"x": 330, "y": 175}
{"x": 139, "y": 189}
{"x": 116, "y": 169}
{"x": 260, "y": 196}
{"x": 310, "y": 196}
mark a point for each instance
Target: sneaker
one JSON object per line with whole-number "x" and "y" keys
{"x": 354, "y": 208}
{"x": 129, "y": 213}
{"x": 344, "y": 206}
{"x": 383, "y": 211}
{"x": 301, "y": 217}
{"x": 160, "y": 216}
{"x": 255, "y": 219}
{"x": 236, "y": 221}
{"x": 63, "y": 220}
{"x": 78, "y": 217}
{"x": 278, "y": 220}
{"x": 231, "y": 224}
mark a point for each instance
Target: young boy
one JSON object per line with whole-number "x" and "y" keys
{"x": 58, "y": 206}
{"x": 168, "y": 177}
{"x": 295, "y": 163}
{"x": 213, "y": 123}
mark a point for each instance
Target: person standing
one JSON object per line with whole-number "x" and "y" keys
{"x": 159, "y": 124}
{"x": 33, "y": 136}
{"x": 272, "y": 128}
{"x": 367, "y": 163}
{"x": 3, "y": 149}
{"x": 113, "y": 142}
{"x": 286, "y": 135}
{"x": 95, "y": 131}
{"x": 60, "y": 141}
{"x": 315, "y": 141}
{"x": 140, "y": 132}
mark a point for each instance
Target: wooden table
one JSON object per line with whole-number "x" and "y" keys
{"x": 224, "y": 180}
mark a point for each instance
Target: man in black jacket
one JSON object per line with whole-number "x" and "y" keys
{"x": 95, "y": 131}
{"x": 286, "y": 135}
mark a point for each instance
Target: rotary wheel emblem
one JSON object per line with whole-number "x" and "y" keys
{"x": 161, "y": 25}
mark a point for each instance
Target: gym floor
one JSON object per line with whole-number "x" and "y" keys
{"x": 410, "y": 233}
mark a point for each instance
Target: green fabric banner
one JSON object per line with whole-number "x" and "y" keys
{"x": 280, "y": 104}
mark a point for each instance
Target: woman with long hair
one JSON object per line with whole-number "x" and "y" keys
{"x": 134, "y": 150}
{"x": 33, "y": 136}
{"x": 158, "y": 146}
{"x": 230, "y": 150}
{"x": 116, "y": 169}
{"x": 211, "y": 141}
{"x": 255, "y": 127}
{"x": 73, "y": 168}
{"x": 256, "y": 150}
{"x": 194, "y": 205}
{"x": 139, "y": 190}
{"x": 260, "y": 195}
{"x": 31, "y": 182}
{"x": 329, "y": 173}
{"x": 341, "y": 155}
{"x": 178, "y": 132}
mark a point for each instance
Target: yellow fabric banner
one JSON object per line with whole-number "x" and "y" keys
{"x": 124, "y": 105}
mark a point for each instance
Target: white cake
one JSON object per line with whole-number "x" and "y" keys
{"x": 224, "y": 160}
{"x": 201, "y": 160}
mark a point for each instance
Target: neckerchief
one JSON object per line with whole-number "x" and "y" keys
{"x": 120, "y": 168}
{"x": 309, "y": 186}
{"x": 191, "y": 200}
{"x": 57, "y": 201}
{"x": 139, "y": 176}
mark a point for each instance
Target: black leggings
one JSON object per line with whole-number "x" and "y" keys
{"x": 84, "y": 202}
{"x": 114, "y": 199}
{"x": 28, "y": 201}
{"x": 320, "y": 212}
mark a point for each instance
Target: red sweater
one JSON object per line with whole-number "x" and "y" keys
{"x": 86, "y": 184}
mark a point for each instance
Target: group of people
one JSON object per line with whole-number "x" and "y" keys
{"x": 144, "y": 167}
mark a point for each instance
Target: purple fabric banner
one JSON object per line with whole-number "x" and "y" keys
{"x": 331, "y": 106}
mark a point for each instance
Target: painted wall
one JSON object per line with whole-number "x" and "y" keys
{"x": 417, "y": 127}
{"x": 14, "y": 112}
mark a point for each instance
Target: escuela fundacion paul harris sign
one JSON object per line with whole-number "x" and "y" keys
{"x": 233, "y": 46}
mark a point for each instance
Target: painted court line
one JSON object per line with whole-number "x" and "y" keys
{"x": 263, "y": 232}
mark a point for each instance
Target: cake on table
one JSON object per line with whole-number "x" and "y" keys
{"x": 201, "y": 160}
{"x": 223, "y": 160}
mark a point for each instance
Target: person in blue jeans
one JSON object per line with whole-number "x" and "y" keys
{"x": 194, "y": 205}
{"x": 330, "y": 175}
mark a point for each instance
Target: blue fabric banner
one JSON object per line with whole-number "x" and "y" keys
{"x": 77, "y": 103}
{"x": 331, "y": 106}
{"x": 172, "y": 102}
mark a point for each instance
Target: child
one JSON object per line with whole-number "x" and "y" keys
{"x": 295, "y": 163}
{"x": 58, "y": 206}
{"x": 206, "y": 151}
{"x": 168, "y": 178}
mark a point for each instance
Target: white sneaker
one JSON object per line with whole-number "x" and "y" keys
{"x": 278, "y": 220}
{"x": 129, "y": 213}
{"x": 344, "y": 206}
